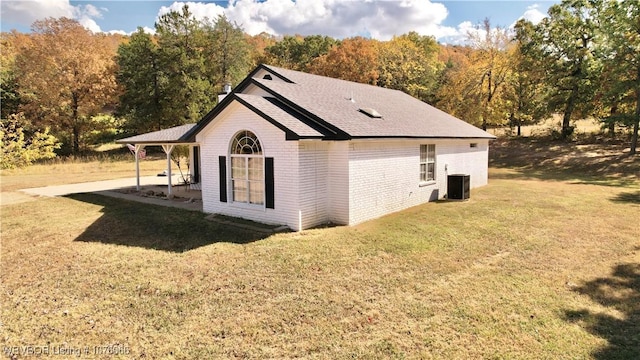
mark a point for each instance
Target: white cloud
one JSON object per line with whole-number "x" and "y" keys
{"x": 460, "y": 34}
{"x": 118, "y": 32}
{"x": 90, "y": 11}
{"x": 26, "y": 12}
{"x": 147, "y": 29}
{"x": 198, "y": 9}
{"x": 85, "y": 14}
{"x": 380, "y": 19}
{"x": 532, "y": 14}
{"x": 89, "y": 24}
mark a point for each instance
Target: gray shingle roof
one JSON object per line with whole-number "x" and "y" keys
{"x": 402, "y": 115}
{"x": 280, "y": 114}
{"x": 172, "y": 135}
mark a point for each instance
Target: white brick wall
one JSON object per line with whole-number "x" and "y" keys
{"x": 215, "y": 141}
{"x": 338, "y": 194}
{"x": 384, "y": 175}
{"x": 313, "y": 169}
{"x": 324, "y": 182}
{"x": 460, "y": 158}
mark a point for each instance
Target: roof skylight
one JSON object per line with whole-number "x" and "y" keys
{"x": 370, "y": 112}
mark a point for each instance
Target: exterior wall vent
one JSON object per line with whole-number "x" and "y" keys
{"x": 370, "y": 112}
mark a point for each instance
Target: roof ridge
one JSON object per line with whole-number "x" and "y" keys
{"x": 275, "y": 69}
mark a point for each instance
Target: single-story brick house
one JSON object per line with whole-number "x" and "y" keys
{"x": 287, "y": 147}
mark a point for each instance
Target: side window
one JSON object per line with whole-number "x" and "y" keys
{"x": 427, "y": 162}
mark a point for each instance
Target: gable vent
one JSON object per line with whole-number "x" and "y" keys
{"x": 370, "y": 112}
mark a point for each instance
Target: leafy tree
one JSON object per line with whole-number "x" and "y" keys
{"x": 298, "y": 52}
{"x": 476, "y": 92}
{"x": 172, "y": 79}
{"x": 10, "y": 44}
{"x": 258, "y": 45}
{"x": 228, "y": 53}
{"x": 524, "y": 90}
{"x": 355, "y": 59}
{"x": 619, "y": 49}
{"x": 21, "y": 148}
{"x": 453, "y": 58}
{"x": 141, "y": 76}
{"x": 562, "y": 46}
{"x": 409, "y": 63}
{"x": 65, "y": 76}
{"x": 285, "y": 53}
{"x": 188, "y": 91}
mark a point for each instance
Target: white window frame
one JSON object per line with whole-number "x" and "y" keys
{"x": 427, "y": 163}
{"x": 255, "y": 153}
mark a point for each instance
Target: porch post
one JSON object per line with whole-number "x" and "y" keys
{"x": 168, "y": 149}
{"x": 138, "y": 148}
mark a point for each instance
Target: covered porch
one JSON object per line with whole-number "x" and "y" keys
{"x": 168, "y": 140}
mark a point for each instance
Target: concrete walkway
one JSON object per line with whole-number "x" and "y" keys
{"x": 113, "y": 188}
{"x": 95, "y": 186}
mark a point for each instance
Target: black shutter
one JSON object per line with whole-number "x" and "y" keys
{"x": 268, "y": 182}
{"x": 222, "y": 165}
{"x": 196, "y": 165}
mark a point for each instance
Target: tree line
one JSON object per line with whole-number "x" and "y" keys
{"x": 65, "y": 88}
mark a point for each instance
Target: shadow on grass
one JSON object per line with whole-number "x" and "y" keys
{"x": 155, "y": 227}
{"x": 621, "y": 292}
{"x": 627, "y": 197}
{"x": 583, "y": 163}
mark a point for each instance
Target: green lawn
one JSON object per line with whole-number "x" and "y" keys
{"x": 531, "y": 267}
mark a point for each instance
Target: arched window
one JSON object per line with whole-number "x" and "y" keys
{"x": 247, "y": 168}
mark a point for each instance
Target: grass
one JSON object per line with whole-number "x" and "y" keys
{"x": 530, "y": 267}
{"x": 583, "y": 126}
{"x": 581, "y": 161}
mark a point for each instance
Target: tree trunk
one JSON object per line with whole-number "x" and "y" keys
{"x": 156, "y": 90}
{"x": 76, "y": 139}
{"x": 75, "y": 126}
{"x": 566, "y": 118}
{"x": 612, "y": 123}
{"x": 636, "y": 124}
{"x": 612, "y": 129}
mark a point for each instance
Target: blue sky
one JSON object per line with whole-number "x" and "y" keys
{"x": 448, "y": 21}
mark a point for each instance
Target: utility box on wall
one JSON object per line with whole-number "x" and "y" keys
{"x": 458, "y": 186}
